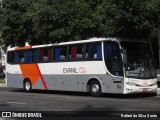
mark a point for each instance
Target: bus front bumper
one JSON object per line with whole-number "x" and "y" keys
{"x": 138, "y": 89}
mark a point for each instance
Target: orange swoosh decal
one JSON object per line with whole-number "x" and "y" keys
{"x": 32, "y": 72}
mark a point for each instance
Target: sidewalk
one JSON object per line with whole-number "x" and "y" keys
{"x": 3, "y": 85}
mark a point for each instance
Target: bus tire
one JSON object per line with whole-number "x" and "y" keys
{"x": 154, "y": 94}
{"x": 27, "y": 85}
{"x": 95, "y": 89}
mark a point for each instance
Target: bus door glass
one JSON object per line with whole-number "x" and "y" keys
{"x": 112, "y": 56}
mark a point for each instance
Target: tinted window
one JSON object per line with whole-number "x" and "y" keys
{"x": 32, "y": 55}
{"x": 113, "y": 58}
{"x": 80, "y": 52}
{"x": 45, "y": 54}
{"x": 139, "y": 60}
{"x": 21, "y": 56}
{"x": 60, "y": 53}
{"x": 72, "y": 52}
{"x": 93, "y": 51}
{"x": 11, "y": 57}
{"x": 76, "y": 52}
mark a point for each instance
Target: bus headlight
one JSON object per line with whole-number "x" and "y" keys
{"x": 130, "y": 84}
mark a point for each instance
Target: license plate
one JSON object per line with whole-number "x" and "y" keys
{"x": 145, "y": 89}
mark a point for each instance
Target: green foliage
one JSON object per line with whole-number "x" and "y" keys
{"x": 50, "y": 21}
{"x": 15, "y": 23}
{"x": 129, "y": 18}
{"x": 2, "y": 81}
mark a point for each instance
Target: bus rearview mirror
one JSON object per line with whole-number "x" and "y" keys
{"x": 125, "y": 58}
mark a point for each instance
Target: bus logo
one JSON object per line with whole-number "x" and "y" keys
{"x": 69, "y": 70}
{"x": 145, "y": 83}
{"x": 82, "y": 70}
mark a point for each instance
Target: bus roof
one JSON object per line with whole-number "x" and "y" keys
{"x": 95, "y": 39}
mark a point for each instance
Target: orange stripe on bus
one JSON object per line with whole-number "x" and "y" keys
{"x": 41, "y": 76}
{"x": 23, "y": 48}
{"x": 32, "y": 72}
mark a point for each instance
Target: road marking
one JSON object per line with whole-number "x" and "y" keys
{"x": 16, "y": 103}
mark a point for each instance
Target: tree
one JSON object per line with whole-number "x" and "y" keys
{"x": 50, "y": 21}
{"x": 15, "y": 23}
{"x": 129, "y": 18}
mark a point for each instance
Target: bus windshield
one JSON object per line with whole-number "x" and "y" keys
{"x": 139, "y": 60}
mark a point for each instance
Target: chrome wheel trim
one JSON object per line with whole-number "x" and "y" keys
{"x": 27, "y": 86}
{"x": 95, "y": 88}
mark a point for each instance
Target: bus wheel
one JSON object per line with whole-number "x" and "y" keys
{"x": 95, "y": 89}
{"x": 27, "y": 85}
{"x": 154, "y": 94}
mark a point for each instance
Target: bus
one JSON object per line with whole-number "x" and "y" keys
{"x": 95, "y": 65}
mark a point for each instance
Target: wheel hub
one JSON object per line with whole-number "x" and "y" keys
{"x": 28, "y": 86}
{"x": 95, "y": 88}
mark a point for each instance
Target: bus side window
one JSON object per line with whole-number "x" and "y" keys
{"x": 63, "y": 53}
{"x": 76, "y": 52}
{"x": 46, "y": 54}
{"x": 80, "y": 52}
{"x": 29, "y": 56}
{"x": 89, "y": 48}
{"x": 36, "y": 56}
{"x": 98, "y": 51}
{"x": 32, "y": 56}
{"x": 21, "y": 57}
{"x": 93, "y": 51}
{"x": 17, "y": 58}
{"x": 72, "y": 52}
{"x": 60, "y": 53}
{"x": 11, "y": 57}
{"x": 56, "y": 53}
{"x": 50, "y": 54}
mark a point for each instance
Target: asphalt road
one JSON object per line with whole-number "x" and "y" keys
{"x": 17, "y": 100}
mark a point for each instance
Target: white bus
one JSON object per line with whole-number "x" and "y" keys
{"x": 96, "y": 65}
